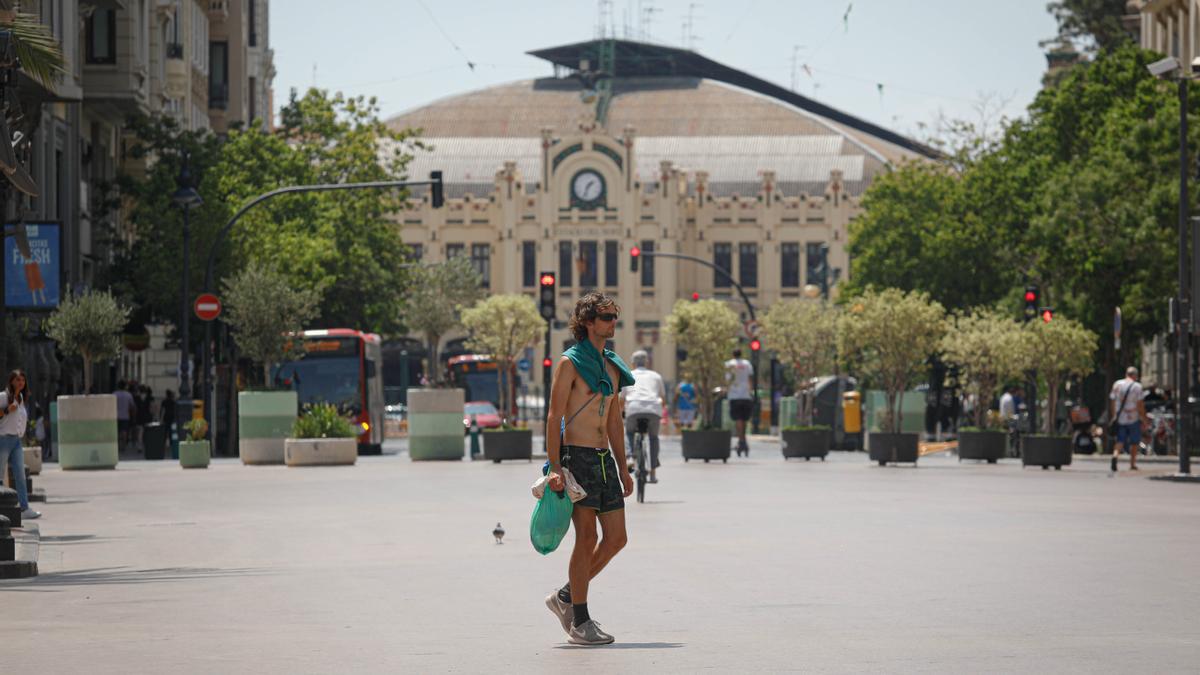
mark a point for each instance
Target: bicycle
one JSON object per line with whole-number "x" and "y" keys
{"x": 639, "y": 456}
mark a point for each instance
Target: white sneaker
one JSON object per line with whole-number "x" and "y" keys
{"x": 562, "y": 610}
{"x": 588, "y": 633}
{"x": 30, "y": 514}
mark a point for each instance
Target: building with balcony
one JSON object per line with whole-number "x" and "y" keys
{"x": 241, "y": 64}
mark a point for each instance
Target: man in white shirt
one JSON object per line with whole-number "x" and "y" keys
{"x": 741, "y": 399}
{"x": 1127, "y": 408}
{"x": 644, "y": 400}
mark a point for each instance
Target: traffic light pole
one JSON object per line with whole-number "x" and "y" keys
{"x": 749, "y": 310}
{"x": 434, "y": 182}
{"x": 1182, "y": 328}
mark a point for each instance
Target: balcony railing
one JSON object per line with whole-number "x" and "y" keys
{"x": 174, "y": 50}
{"x": 218, "y": 95}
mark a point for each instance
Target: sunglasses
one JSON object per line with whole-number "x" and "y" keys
{"x": 607, "y": 316}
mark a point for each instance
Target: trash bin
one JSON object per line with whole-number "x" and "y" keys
{"x": 154, "y": 437}
{"x": 852, "y": 412}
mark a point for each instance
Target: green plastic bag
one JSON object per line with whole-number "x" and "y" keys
{"x": 551, "y": 520}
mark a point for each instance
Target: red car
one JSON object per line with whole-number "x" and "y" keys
{"x": 485, "y": 414}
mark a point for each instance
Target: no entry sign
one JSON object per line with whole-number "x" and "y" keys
{"x": 207, "y": 307}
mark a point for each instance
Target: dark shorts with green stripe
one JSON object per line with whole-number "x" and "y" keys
{"x": 596, "y": 472}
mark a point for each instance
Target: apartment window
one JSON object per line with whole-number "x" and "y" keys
{"x": 589, "y": 272}
{"x": 253, "y": 22}
{"x": 723, "y": 260}
{"x": 789, "y": 265}
{"x": 815, "y": 254}
{"x": 481, "y": 259}
{"x": 748, "y": 264}
{"x": 454, "y": 250}
{"x": 101, "y": 29}
{"x": 566, "y": 263}
{"x": 611, "y": 260}
{"x": 253, "y": 99}
{"x": 218, "y": 79}
{"x": 647, "y": 264}
{"x": 415, "y": 252}
{"x": 529, "y": 264}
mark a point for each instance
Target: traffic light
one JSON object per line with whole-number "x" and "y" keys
{"x": 1031, "y": 302}
{"x": 634, "y": 254}
{"x": 755, "y": 345}
{"x": 546, "y": 296}
{"x": 436, "y": 194}
{"x": 546, "y": 362}
{"x": 1047, "y": 314}
{"x": 695, "y": 296}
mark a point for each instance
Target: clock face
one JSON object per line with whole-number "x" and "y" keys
{"x": 587, "y": 186}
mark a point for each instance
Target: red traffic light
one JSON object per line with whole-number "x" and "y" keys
{"x": 755, "y": 345}
{"x": 1047, "y": 315}
{"x": 1030, "y": 296}
{"x": 546, "y": 362}
{"x": 695, "y": 296}
{"x": 547, "y": 279}
{"x": 635, "y": 251}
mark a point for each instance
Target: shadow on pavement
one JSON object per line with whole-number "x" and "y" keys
{"x": 67, "y": 539}
{"x": 628, "y": 645}
{"x": 100, "y": 576}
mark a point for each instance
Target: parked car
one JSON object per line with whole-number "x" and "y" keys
{"x": 485, "y": 414}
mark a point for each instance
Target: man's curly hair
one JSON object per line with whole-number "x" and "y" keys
{"x": 586, "y": 309}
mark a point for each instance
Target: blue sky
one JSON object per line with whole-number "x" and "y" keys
{"x": 935, "y": 56}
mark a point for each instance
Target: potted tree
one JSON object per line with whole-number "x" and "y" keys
{"x": 436, "y": 297}
{"x": 263, "y": 308}
{"x": 90, "y": 326}
{"x": 804, "y": 335}
{"x": 320, "y": 436}
{"x": 1053, "y": 350}
{"x": 503, "y": 326}
{"x": 986, "y": 346}
{"x": 887, "y": 336}
{"x": 194, "y": 452}
{"x": 707, "y": 330}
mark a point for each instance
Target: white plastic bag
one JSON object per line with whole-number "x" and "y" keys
{"x": 574, "y": 491}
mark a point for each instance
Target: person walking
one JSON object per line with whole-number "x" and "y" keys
{"x": 685, "y": 404}
{"x": 1127, "y": 407}
{"x": 126, "y": 413}
{"x": 644, "y": 400}
{"x": 741, "y": 399}
{"x": 14, "y": 420}
{"x": 584, "y": 435}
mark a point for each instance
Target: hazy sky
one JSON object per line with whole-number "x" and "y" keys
{"x": 930, "y": 56}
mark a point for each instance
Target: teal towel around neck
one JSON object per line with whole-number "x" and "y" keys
{"x": 589, "y": 365}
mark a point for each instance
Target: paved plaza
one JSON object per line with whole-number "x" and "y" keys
{"x": 758, "y": 565}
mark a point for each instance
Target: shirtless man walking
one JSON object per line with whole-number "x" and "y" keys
{"x": 583, "y": 407}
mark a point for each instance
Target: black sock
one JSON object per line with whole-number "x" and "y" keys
{"x": 581, "y": 614}
{"x": 564, "y": 593}
{"x": 1114, "y": 463}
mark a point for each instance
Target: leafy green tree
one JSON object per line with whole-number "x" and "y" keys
{"x": 804, "y": 335}
{"x": 38, "y": 52}
{"x": 887, "y": 336}
{"x": 986, "y": 344}
{"x": 1097, "y": 21}
{"x": 503, "y": 326}
{"x": 1056, "y": 350}
{"x": 436, "y": 298}
{"x": 265, "y": 311}
{"x": 89, "y": 326}
{"x": 707, "y": 329}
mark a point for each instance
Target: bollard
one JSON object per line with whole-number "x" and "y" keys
{"x": 8, "y": 545}
{"x": 9, "y": 506}
{"x": 474, "y": 431}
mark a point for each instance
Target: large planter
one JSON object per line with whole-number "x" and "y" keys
{"x": 989, "y": 446}
{"x": 320, "y": 451}
{"x": 33, "y": 460}
{"x": 265, "y": 419}
{"x": 706, "y": 444}
{"x": 508, "y": 444}
{"x": 1046, "y": 451}
{"x": 894, "y": 448}
{"x": 435, "y": 424}
{"x": 194, "y": 454}
{"x": 87, "y": 432}
{"x": 806, "y": 443}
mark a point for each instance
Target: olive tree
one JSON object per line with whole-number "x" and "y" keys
{"x": 708, "y": 331}
{"x": 804, "y": 335}
{"x": 986, "y": 345}
{"x": 90, "y": 326}
{"x": 1055, "y": 351}
{"x": 886, "y": 336}
{"x": 503, "y": 326}
{"x": 265, "y": 311}
{"x": 436, "y": 297}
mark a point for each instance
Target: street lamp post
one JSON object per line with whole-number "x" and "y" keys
{"x": 185, "y": 197}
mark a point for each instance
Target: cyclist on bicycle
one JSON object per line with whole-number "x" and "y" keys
{"x": 644, "y": 400}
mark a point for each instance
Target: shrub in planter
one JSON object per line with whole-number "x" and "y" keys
{"x": 321, "y": 436}
{"x": 803, "y": 333}
{"x": 707, "y": 329}
{"x": 503, "y": 326}
{"x": 807, "y": 441}
{"x": 435, "y": 297}
{"x": 194, "y": 451}
{"x": 986, "y": 345}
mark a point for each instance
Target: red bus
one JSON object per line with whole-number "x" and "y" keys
{"x": 343, "y": 367}
{"x": 479, "y": 376}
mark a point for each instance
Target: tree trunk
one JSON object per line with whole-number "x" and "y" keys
{"x": 266, "y": 375}
{"x": 434, "y": 376}
{"x": 1051, "y": 405}
{"x": 87, "y": 374}
{"x": 893, "y": 421}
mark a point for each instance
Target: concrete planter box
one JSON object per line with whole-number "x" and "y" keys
{"x": 33, "y": 460}
{"x": 894, "y": 448}
{"x": 194, "y": 454}
{"x": 508, "y": 444}
{"x": 265, "y": 419}
{"x": 1046, "y": 451}
{"x": 320, "y": 451}
{"x": 435, "y": 424}
{"x": 806, "y": 443}
{"x": 706, "y": 444}
{"x": 988, "y": 446}
{"x": 87, "y": 432}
